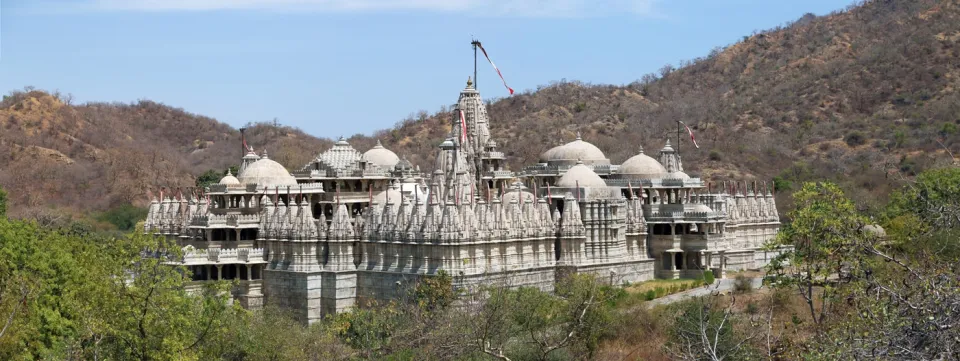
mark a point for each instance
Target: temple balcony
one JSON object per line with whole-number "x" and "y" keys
{"x": 223, "y": 256}
{"x": 497, "y": 174}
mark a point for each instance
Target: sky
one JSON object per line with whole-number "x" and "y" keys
{"x": 341, "y": 67}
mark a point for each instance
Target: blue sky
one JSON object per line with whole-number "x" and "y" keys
{"x": 340, "y": 67}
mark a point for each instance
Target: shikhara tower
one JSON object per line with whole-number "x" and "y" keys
{"x": 349, "y": 226}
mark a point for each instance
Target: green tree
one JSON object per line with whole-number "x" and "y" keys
{"x": 213, "y": 176}
{"x": 904, "y": 302}
{"x": 143, "y": 309}
{"x": 822, "y": 233}
{"x": 124, "y": 217}
{"x": 530, "y": 324}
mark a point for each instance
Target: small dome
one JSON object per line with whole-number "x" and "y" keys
{"x": 381, "y": 156}
{"x": 700, "y": 207}
{"x": 643, "y": 165}
{"x": 519, "y": 192}
{"x": 394, "y": 194}
{"x": 677, "y": 175}
{"x": 575, "y": 150}
{"x": 580, "y": 175}
{"x": 266, "y": 172}
{"x": 229, "y": 179}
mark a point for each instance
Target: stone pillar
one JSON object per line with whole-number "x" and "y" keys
{"x": 246, "y": 272}
{"x": 219, "y": 272}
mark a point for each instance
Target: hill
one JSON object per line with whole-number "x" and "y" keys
{"x": 862, "y": 96}
{"x": 856, "y": 96}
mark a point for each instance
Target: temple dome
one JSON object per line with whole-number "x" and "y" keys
{"x": 266, "y": 172}
{"x": 575, "y": 150}
{"x": 643, "y": 165}
{"x": 229, "y": 179}
{"x": 381, "y": 156}
{"x": 677, "y": 175}
{"x": 581, "y": 175}
{"x": 395, "y": 196}
{"x": 519, "y": 192}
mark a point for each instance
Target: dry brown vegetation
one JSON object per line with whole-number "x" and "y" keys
{"x": 852, "y": 97}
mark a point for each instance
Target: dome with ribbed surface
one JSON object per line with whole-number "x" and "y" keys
{"x": 573, "y": 151}
{"x": 519, "y": 192}
{"x": 677, "y": 175}
{"x": 393, "y": 194}
{"x": 381, "y": 156}
{"x": 581, "y": 175}
{"x": 266, "y": 172}
{"x": 643, "y": 166}
{"x": 229, "y": 179}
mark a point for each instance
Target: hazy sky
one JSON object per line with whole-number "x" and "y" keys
{"x": 339, "y": 67}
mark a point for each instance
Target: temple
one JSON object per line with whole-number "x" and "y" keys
{"x": 349, "y": 226}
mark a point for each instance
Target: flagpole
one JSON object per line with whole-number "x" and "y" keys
{"x": 474, "y": 42}
{"x": 678, "y": 137}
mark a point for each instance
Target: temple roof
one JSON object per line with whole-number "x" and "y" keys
{"x": 266, "y": 172}
{"x": 643, "y": 165}
{"x": 581, "y": 175}
{"x": 381, "y": 156}
{"x": 575, "y": 150}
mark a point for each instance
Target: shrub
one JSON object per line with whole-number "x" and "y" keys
{"x": 742, "y": 285}
{"x": 752, "y": 308}
{"x": 708, "y": 278}
{"x": 855, "y": 138}
{"x": 948, "y": 129}
{"x": 715, "y": 156}
{"x": 650, "y": 295}
{"x": 124, "y": 217}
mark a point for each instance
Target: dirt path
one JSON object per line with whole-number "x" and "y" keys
{"x": 719, "y": 286}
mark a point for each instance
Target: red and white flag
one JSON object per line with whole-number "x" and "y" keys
{"x": 463, "y": 128}
{"x": 691, "y": 135}
{"x": 495, "y": 68}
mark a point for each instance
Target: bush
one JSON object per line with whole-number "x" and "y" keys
{"x": 752, "y": 308}
{"x": 124, "y": 217}
{"x": 708, "y": 278}
{"x": 855, "y": 138}
{"x": 650, "y": 295}
{"x": 742, "y": 285}
{"x": 715, "y": 156}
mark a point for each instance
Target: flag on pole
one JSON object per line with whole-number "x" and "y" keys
{"x": 578, "y": 191}
{"x": 495, "y": 67}
{"x": 463, "y": 128}
{"x": 691, "y": 135}
{"x": 549, "y": 195}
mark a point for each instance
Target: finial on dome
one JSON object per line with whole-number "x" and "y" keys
{"x": 228, "y": 172}
{"x": 469, "y": 82}
{"x": 579, "y": 161}
{"x": 641, "y": 149}
{"x": 668, "y": 143}
{"x": 264, "y": 154}
{"x": 578, "y": 136}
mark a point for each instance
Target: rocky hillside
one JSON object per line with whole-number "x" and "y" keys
{"x": 62, "y": 158}
{"x": 863, "y": 96}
